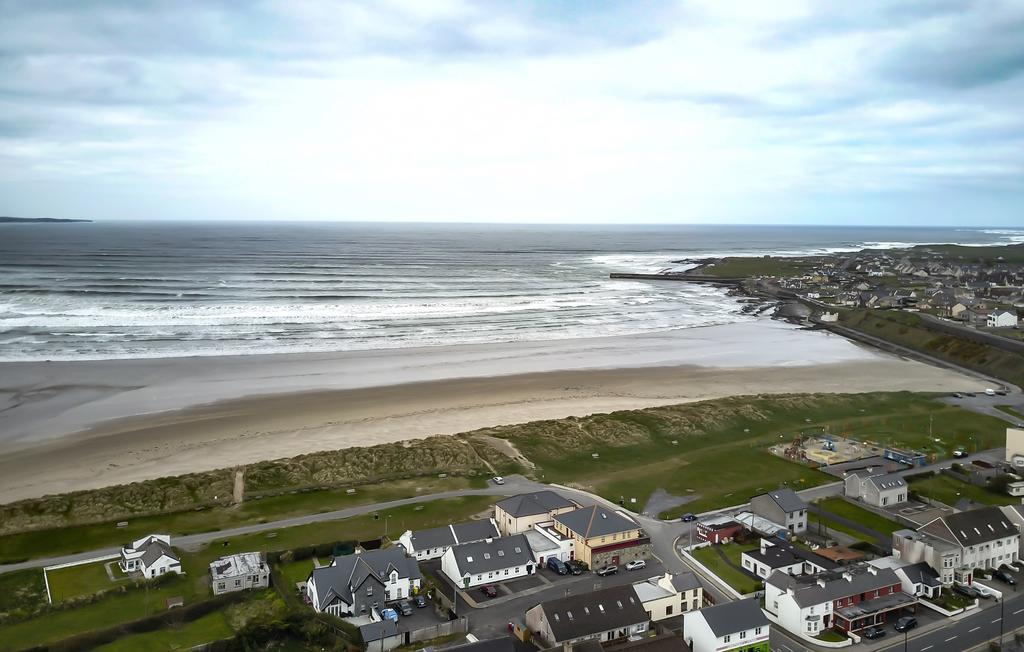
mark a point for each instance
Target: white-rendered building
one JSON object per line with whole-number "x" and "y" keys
{"x": 727, "y": 626}
{"x": 151, "y": 556}
{"x": 488, "y": 561}
{"x": 1001, "y": 319}
{"x": 432, "y": 543}
{"x": 547, "y": 542}
{"x": 877, "y": 489}
{"x": 247, "y": 570}
{"x": 356, "y": 585}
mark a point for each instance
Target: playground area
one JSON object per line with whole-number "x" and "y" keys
{"x": 825, "y": 449}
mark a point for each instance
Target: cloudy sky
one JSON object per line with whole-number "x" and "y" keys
{"x": 556, "y": 111}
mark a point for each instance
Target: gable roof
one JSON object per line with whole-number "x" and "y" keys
{"x": 971, "y": 527}
{"x": 782, "y": 553}
{"x": 491, "y": 555}
{"x": 449, "y": 535}
{"x": 156, "y": 549}
{"x": 824, "y": 587}
{"x": 921, "y": 573}
{"x": 534, "y": 504}
{"x": 685, "y": 581}
{"x": 593, "y": 612}
{"x": 786, "y": 499}
{"x": 732, "y": 617}
{"x": 595, "y": 521}
{"x": 349, "y": 572}
{"x": 884, "y": 481}
{"x": 379, "y": 630}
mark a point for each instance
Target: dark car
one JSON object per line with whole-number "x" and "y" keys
{"x": 1000, "y": 392}
{"x": 420, "y": 601}
{"x": 557, "y": 565}
{"x": 405, "y": 608}
{"x": 575, "y": 567}
{"x": 1005, "y": 577}
{"x": 967, "y": 591}
{"x": 971, "y": 394}
{"x": 873, "y": 632}
{"x": 957, "y": 395}
{"x": 607, "y": 570}
{"x": 905, "y": 624}
{"x": 688, "y": 517}
{"x": 489, "y": 591}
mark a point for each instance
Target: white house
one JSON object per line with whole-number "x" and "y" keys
{"x": 667, "y": 596}
{"x": 877, "y": 489}
{"x": 777, "y": 555}
{"x": 605, "y": 615}
{"x": 782, "y": 506}
{"x": 246, "y": 570}
{"x": 355, "y": 585}
{"x": 432, "y": 543}
{"x": 739, "y": 625}
{"x": 1001, "y": 319}
{"x": 151, "y": 556}
{"x": 918, "y": 579}
{"x": 488, "y": 561}
{"x": 547, "y": 542}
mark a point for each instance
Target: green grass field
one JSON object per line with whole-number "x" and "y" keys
{"x": 736, "y": 579}
{"x": 78, "y": 580}
{"x": 22, "y": 591}
{"x": 82, "y": 538}
{"x": 211, "y": 627}
{"x": 1013, "y": 412}
{"x": 297, "y": 571}
{"x": 841, "y": 507}
{"x": 744, "y": 267}
{"x": 950, "y": 490}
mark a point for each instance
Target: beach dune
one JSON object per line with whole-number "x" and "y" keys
{"x": 77, "y": 425}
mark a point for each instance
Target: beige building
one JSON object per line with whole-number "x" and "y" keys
{"x": 670, "y": 595}
{"x": 518, "y": 514}
{"x": 603, "y": 537}
{"x": 1015, "y": 447}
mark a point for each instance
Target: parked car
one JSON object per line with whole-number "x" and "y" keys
{"x": 498, "y": 479}
{"x": 905, "y": 624}
{"x": 420, "y": 600}
{"x": 967, "y": 591}
{"x": 959, "y": 453}
{"x": 557, "y": 565}
{"x": 607, "y": 570}
{"x": 1000, "y": 392}
{"x": 389, "y": 614}
{"x": 689, "y": 517}
{"x": 576, "y": 567}
{"x": 873, "y": 632}
{"x": 405, "y": 608}
{"x": 636, "y": 564}
{"x": 957, "y": 395}
{"x": 489, "y": 590}
{"x": 971, "y": 394}
{"x": 1005, "y": 577}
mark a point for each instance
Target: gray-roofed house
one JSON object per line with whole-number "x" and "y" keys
{"x": 850, "y": 599}
{"x": 782, "y": 506}
{"x": 152, "y": 556}
{"x": 609, "y": 614}
{"x": 739, "y": 625}
{"x": 877, "y": 489}
{"x": 357, "y": 584}
{"x": 603, "y": 536}
{"x": 777, "y": 555}
{"x": 518, "y": 514}
{"x": 432, "y": 543}
{"x": 668, "y": 596}
{"x": 488, "y": 561}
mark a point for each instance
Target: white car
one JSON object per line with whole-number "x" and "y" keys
{"x": 636, "y": 564}
{"x": 498, "y": 480}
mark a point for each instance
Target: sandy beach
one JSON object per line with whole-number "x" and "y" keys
{"x": 77, "y": 425}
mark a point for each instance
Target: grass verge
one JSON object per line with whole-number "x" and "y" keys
{"x": 867, "y": 518}
{"x": 735, "y": 578}
{"x": 950, "y": 490}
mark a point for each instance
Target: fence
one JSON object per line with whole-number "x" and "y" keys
{"x": 457, "y": 626}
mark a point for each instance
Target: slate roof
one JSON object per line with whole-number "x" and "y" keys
{"x": 156, "y": 549}
{"x": 449, "y": 535}
{"x": 378, "y": 631}
{"x": 922, "y": 573}
{"x": 732, "y": 617}
{"x": 787, "y": 500}
{"x": 782, "y": 553}
{"x": 576, "y": 616}
{"x": 837, "y": 584}
{"x": 972, "y": 527}
{"x": 484, "y": 557}
{"x": 349, "y": 572}
{"x": 663, "y": 643}
{"x": 539, "y": 502}
{"x": 685, "y": 581}
{"x": 887, "y": 481}
{"x": 595, "y": 521}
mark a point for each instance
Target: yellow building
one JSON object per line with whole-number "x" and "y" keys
{"x": 603, "y": 537}
{"x": 519, "y": 514}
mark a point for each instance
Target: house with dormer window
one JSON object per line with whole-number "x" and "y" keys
{"x": 355, "y": 585}
{"x": 612, "y": 614}
{"x": 488, "y": 561}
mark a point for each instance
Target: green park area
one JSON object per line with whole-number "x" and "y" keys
{"x": 211, "y": 627}
{"x": 753, "y": 266}
{"x": 950, "y": 491}
{"x": 728, "y": 572}
{"x": 82, "y": 579}
{"x": 847, "y": 510}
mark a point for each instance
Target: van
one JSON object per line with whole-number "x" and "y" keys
{"x": 990, "y": 392}
{"x": 557, "y": 565}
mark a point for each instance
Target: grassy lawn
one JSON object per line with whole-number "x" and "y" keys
{"x": 950, "y": 490}
{"x": 82, "y": 538}
{"x": 741, "y": 266}
{"x": 21, "y": 590}
{"x": 950, "y": 601}
{"x": 831, "y": 636}
{"x": 211, "y": 627}
{"x": 297, "y": 571}
{"x": 1009, "y": 409}
{"x": 867, "y": 518}
{"x": 78, "y": 580}
{"x": 740, "y": 581}
{"x": 816, "y": 520}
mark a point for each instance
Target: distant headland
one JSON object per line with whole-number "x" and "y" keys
{"x": 4, "y": 219}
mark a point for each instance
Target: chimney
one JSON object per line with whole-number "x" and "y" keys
{"x": 489, "y": 539}
{"x": 821, "y": 582}
{"x": 848, "y": 576}
{"x": 872, "y": 570}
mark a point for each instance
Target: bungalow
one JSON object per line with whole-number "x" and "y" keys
{"x": 667, "y": 596}
{"x": 432, "y": 543}
{"x": 518, "y": 514}
{"x": 355, "y": 585}
{"x": 784, "y": 557}
{"x": 727, "y": 627}
{"x": 603, "y": 537}
{"x": 1001, "y": 319}
{"x": 877, "y": 489}
{"x": 488, "y": 561}
{"x": 782, "y": 506}
{"x": 246, "y": 570}
{"x": 606, "y": 615}
{"x": 151, "y": 555}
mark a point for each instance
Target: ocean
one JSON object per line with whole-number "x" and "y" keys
{"x": 168, "y": 289}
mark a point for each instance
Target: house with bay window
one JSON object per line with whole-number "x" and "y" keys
{"x": 356, "y": 585}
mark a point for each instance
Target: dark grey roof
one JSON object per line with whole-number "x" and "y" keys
{"x": 887, "y": 481}
{"x": 539, "y": 502}
{"x": 732, "y": 617}
{"x": 576, "y": 616}
{"x": 349, "y": 572}
{"x": 972, "y": 527}
{"x": 685, "y": 581}
{"x": 496, "y": 554}
{"x": 378, "y": 631}
{"x": 787, "y": 500}
{"x": 922, "y": 573}
{"x": 155, "y": 549}
{"x": 595, "y": 521}
{"x": 808, "y": 591}
{"x": 449, "y": 535}
{"x": 782, "y": 553}
{"x": 663, "y": 643}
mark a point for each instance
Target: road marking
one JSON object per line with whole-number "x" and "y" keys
{"x": 997, "y": 620}
{"x": 1017, "y": 612}
{"x": 973, "y": 630}
{"x": 927, "y": 648}
{"x": 949, "y": 639}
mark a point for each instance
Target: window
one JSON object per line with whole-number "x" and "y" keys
{"x": 238, "y": 582}
{"x": 668, "y": 610}
{"x": 757, "y": 631}
{"x": 220, "y": 585}
{"x": 726, "y": 638}
{"x": 743, "y": 635}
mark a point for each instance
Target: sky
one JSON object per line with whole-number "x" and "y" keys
{"x": 557, "y": 111}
